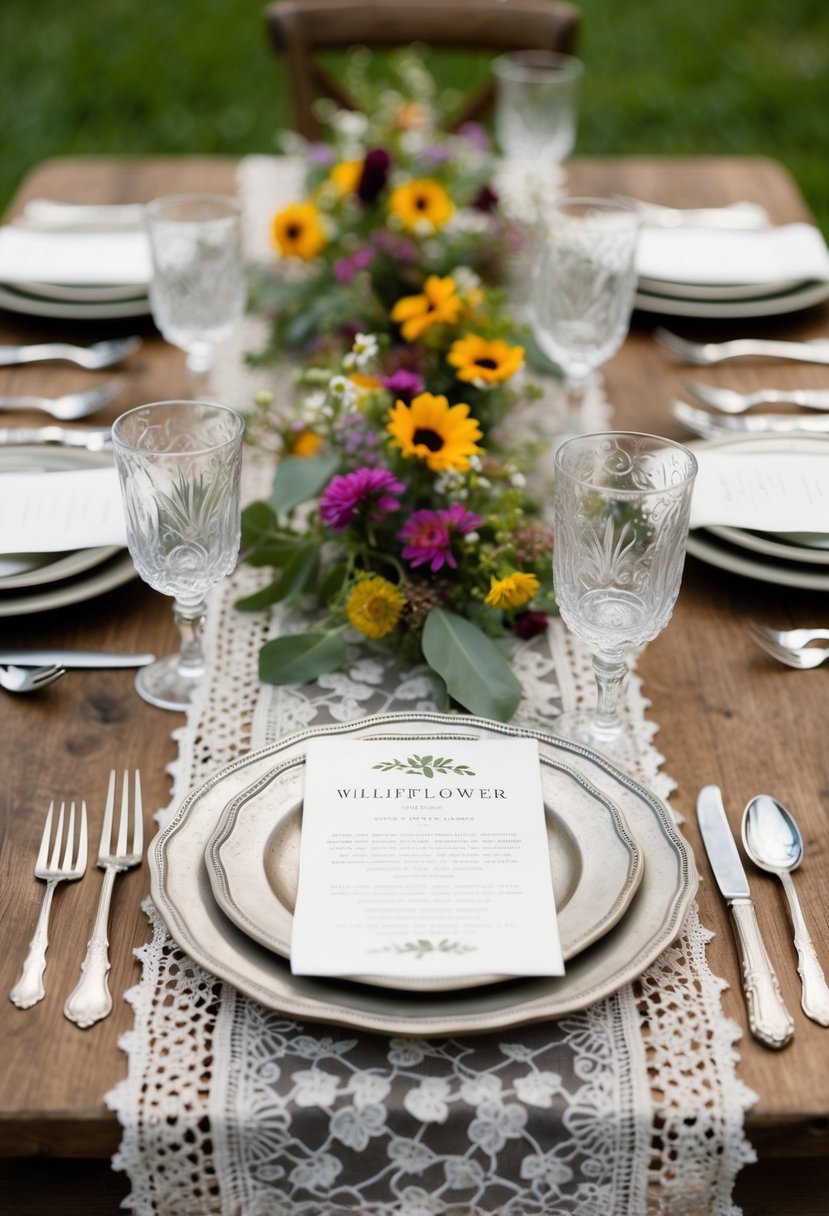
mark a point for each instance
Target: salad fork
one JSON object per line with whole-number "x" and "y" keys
{"x": 705, "y": 354}
{"x": 803, "y": 659}
{"x": 29, "y": 679}
{"x": 72, "y": 405}
{"x": 93, "y": 358}
{"x": 728, "y": 401}
{"x": 49, "y": 867}
{"x": 91, "y": 999}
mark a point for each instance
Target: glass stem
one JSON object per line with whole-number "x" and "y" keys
{"x": 198, "y": 368}
{"x": 190, "y": 619}
{"x": 609, "y": 670}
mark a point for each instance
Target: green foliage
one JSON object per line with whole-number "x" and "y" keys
{"x": 474, "y": 670}
{"x": 300, "y": 657}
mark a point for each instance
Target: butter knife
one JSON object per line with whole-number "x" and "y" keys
{"x": 712, "y": 425}
{"x": 75, "y": 658}
{"x": 768, "y": 1018}
{"x": 95, "y": 438}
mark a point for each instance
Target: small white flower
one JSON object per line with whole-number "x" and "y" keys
{"x": 314, "y": 1087}
{"x": 518, "y": 480}
{"x": 471, "y": 539}
{"x": 343, "y": 390}
{"x": 537, "y": 1088}
{"x": 351, "y": 123}
{"x": 428, "y": 1101}
{"x": 466, "y": 279}
{"x": 263, "y": 398}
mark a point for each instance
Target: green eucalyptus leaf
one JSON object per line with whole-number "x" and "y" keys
{"x": 299, "y": 478}
{"x": 300, "y": 657}
{"x": 297, "y": 575}
{"x": 474, "y": 670}
{"x": 258, "y": 518}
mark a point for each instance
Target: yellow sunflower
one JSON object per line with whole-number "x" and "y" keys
{"x": 374, "y": 607}
{"x": 421, "y": 205}
{"x": 480, "y": 361}
{"x": 297, "y": 232}
{"x": 346, "y": 176}
{"x": 513, "y": 591}
{"x": 306, "y": 443}
{"x": 443, "y": 436}
{"x": 438, "y": 303}
{"x": 365, "y": 380}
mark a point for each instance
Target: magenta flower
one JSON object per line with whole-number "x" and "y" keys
{"x": 346, "y": 269}
{"x": 369, "y": 492}
{"x": 530, "y": 624}
{"x": 404, "y": 383}
{"x": 429, "y": 535}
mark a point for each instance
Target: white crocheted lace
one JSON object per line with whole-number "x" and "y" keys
{"x": 231, "y": 1109}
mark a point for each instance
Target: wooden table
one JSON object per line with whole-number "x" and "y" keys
{"x": 727, "y": 715}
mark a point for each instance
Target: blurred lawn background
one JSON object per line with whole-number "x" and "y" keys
{"x": 178, "y": 76}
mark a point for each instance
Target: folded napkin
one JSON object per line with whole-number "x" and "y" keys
{"x": 715, "y": 256}
{"x": 72, "y": 258}
{"x": 763, "y": 491}
{"x": 52, "y": 214}
{"x": 51, "y": 512}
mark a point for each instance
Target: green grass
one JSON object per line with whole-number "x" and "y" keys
{"x": 176, "y": 76}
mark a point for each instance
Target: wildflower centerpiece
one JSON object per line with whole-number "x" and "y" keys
{"x": 398, "y": 503}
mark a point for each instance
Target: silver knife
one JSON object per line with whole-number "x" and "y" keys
{"x": 768, "y": 1018}
{"x": 95, "y": 438}
{"x": 712, "y": 425}
{"x": 75, "y": 658}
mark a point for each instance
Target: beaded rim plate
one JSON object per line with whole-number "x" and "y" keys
{"x": 183, "y": 895}
{"x": 253, "y": 864}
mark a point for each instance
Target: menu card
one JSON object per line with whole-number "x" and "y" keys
{"x": 766, "y": 491}
{"x": 46, "y": 512}
{"x": 422, "y": 859}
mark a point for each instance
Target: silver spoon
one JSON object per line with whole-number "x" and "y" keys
{"x": 773, "y": 842}
{"x": 29, "y": 679}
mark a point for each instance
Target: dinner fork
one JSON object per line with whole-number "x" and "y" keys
{"x": 29, "y": 679}
{"x": 91, "y": 1000}
{"x": 731, "y": 402}
{"x": 71, "y": 406}
{"x": 796, "y": 639}
{"x": 707, "y": 353}
{"x": 51, "y": 869}
{"x": 803, "y": 659}
{"x": 93, "y": 358}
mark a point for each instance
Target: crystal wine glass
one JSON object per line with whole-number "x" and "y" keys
{"x": 197, "y": 288}
{"x": 535, "y": 105}
{"x": 584, "y": 285}
{"x": 179, "y": 464}
{"x": 622, "y": 502}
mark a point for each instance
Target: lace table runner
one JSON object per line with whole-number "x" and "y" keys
{"x": 627, "y": 1108}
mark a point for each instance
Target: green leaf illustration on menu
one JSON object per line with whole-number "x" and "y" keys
{"x": 425, "y": 766}
{"x": 424, "y": 946}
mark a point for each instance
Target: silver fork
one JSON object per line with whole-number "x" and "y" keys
{"x": 91, "y": 1000}
{"x": 29, "y": 679}
{"x": 795, "y": 639}
{"x": 801, "y": 660}
{"x": 731, "y": 402}
{"x": 71, "y": 406}
{"x": 93, "y": 358}
{"x": 707, "y": 353}
{"x": 51, "y": 869}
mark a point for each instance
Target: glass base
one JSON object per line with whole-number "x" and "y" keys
{"x": 165, "y": 685}
{"x": 579, "y": 726}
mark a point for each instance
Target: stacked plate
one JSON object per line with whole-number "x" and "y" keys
{"x": 717, "y": 273}
{"x": 224, "y": 876}
{"x": 798, "y": 559}
{"x": 33, "y": 582}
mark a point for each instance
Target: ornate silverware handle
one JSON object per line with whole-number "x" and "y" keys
{"x": 29, "y": 989}
{"x": 815, "y": 992}
{"x": 91, "y": 999}
{"x": 805, "y": 352}
{"x": 768, "y": 1018}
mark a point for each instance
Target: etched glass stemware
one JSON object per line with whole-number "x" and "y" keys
{"x": 179, "y": 464}
{"x": 584, "y": 284}
{"x": 197, "y": 289}
{"x": 622, "y": 503}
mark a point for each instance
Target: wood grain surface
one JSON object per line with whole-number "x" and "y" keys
{"x": 726, "y": 714}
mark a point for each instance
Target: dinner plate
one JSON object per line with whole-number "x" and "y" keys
{"x": 35, "y": 306}
{"x": 104, "y": 577}
{"x": 182, "y": 893}
{"x": 804, "y": 296}
{"x": 715, "y": 292}
{"x": 253, "y": 863}
{"x": 81, "y": 293}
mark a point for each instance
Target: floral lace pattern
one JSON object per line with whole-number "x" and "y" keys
{"x": 230, "y": 1109}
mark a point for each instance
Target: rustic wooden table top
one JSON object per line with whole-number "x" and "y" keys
{"x": 726, "y": 715}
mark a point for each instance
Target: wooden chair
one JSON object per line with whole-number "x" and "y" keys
{"x": 301, "y": 29}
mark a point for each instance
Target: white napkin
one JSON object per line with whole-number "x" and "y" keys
{"x": 71, "y": 258}
{"x": 764, "y": 491}
{"x": 51, "y": 512}
{"x": 715, "y": 256}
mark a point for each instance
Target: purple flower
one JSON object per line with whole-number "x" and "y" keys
{"x": 320, "y": 154}
{"x": 486, "y": 199}
{"x": 429, "y": 534}
{"x": 400, "y": 248}
{"x": 374, "y": 176}
{"x": 370, "y": 491}
{"x": 530, "y": 624}
{"x": 346, "y": 269}
{"x": 437, "y": 154}
{"x": 404, "y": 384}
{"x": 477, "y": 135}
